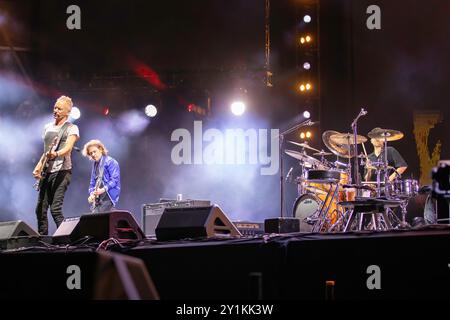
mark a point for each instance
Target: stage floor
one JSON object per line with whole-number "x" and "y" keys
{"x": 358, "y": 265}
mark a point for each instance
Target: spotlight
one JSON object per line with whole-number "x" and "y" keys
{"x": 308, "y": 39}
{"x": 308, "y": 86}
{"x": 306, "y": 114}
{"x": 302, "y": 40}
{"x": 151, "y": 111}
{"x": 302, "y": 135}
{"x": 75, "y": 114}
{"x": 307, "y": 18}
{"x": 302, "y": 87}
{"x": 306, "y": 66}
{"x": 308, "y": 134}
{"x": 238, "y": 108}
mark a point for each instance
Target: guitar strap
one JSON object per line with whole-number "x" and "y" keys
{"x": 99, "y": 177}
{"x": 101, "y": 169}
{"x": 61, "y": 132}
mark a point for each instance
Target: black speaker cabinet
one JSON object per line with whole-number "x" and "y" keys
{"x": 10, "y": 229}
{"x": 195, "y": 222}
{"x": 119, "y": 225}
{"x": 282, "y": 225}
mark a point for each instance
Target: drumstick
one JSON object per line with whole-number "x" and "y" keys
{"x": 365, "y": 152}
{"x": 369, "y": 171}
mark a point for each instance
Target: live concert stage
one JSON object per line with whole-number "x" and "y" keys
{"x": 219, "y": 150}
{"x": 356, "y": 266}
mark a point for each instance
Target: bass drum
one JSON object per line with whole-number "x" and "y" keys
{"x": 304, "y": 207}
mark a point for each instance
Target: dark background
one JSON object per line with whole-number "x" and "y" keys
{"x": 209, "y": 49}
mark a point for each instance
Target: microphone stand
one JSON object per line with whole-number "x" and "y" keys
{"x": 280, "y": 155}
{"x": 355, "y": 142}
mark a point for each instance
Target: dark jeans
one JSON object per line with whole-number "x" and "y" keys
{"x": 51, "y": 194}
{"x": 104, "y": 204}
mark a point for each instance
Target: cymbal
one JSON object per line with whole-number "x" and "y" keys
{"x": 347, "y": 138}
{"x": 343, "y": 151}
{"x": 302, "y": 157}
{"x": 388, "y": 134}
{"x": 322, "y": 153}
{"x": 304, "y": 145}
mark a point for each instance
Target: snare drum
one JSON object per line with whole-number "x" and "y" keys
{"x": 405, "y": 188}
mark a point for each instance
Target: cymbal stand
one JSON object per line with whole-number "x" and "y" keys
{"x": 322, "y": 215}
{"x": 386, "y": 170}
{"x": 280, "y": 155}
{"x": 355, "y": 135}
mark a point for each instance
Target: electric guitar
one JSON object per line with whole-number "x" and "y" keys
{"x": 44, "y": 165}
{"x": 94, "y": 200}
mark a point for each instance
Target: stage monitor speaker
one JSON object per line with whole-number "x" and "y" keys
{"x": 119, "y": 225}
{"x": 10, "y": 229}
{"x": 194, "y": 222}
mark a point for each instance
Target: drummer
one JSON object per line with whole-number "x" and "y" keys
{"x": 394, "y": 159}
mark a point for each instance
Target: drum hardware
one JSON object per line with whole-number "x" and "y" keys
{"x": 280, "y": 155}
{"x": 322, "y": 153}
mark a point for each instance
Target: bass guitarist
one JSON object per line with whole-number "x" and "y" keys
{"x": 104, "y": 186}
{"x": 54, "y": 169}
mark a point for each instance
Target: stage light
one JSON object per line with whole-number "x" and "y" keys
{"x": 306, "y": 66}
{"x": 308, "y": 86}
{"x": 307, "y": 18}
{"x": 308, "y": 39}
{"x": 238, "y": 108}
{"x": 302, "y": 135}
{"x": 151, "y": 111}
{"x": 308, "y": 134}
{"x": 302, "y": 87}
{"x": 306, "y": 114}
{"x": 75, "y": 114}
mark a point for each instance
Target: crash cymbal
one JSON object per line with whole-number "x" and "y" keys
{"x": 347, "y": 139}
{"x": 303, "y": 157}
{"x": 322, "y": 153}
{"x": 382, "y": 134}
{"x": 304, "y": 145}
{"x": 343, "y": 151}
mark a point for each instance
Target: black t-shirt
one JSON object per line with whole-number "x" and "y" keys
{"x": 394, "y": 160}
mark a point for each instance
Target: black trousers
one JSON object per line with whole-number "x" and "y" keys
{"x": 51, "y": 194}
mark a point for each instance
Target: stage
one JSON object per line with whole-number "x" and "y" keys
{"x": 346, "y": 266}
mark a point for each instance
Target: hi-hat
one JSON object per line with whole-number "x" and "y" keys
{"x": 347, "y": 138}
{"x": 385, "y": 134}
{"x": 304, "y": 145}
{"x": 322, "y": 153}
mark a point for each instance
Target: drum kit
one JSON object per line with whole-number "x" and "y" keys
{"x": 329, "y": 201}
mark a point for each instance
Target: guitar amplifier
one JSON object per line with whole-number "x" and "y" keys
{"x": 152, "y": 212}
{"x": 249, "y": 229}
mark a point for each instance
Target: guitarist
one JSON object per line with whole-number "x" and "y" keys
{"x": 104, "y": 187}
{"x": 56, "y": 174}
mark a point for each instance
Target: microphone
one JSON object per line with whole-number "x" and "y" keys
{"x": 288, "y": 176}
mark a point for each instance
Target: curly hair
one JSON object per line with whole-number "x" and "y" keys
{"x": 94, "y": 143}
